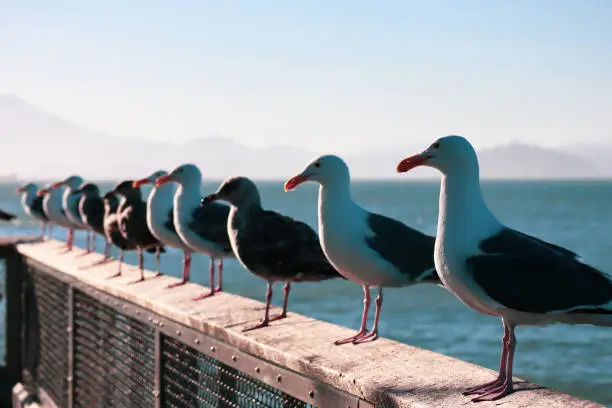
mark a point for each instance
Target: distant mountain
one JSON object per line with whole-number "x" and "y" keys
{"x": 599, "y": 153}
{"x": 36, "y": 144}
{"x": 531, "y": 161}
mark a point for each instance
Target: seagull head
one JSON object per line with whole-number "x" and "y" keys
{"x": 110, "y": 200}
{"x": 124, "y": 188}
{"x": 27, "y": 188}
{"x": 447, "y": 154}
{"x": 183, "y": 174}
{"x": 72, "y": 182}
{"x": 234, "y": 190}
{"x": 88, "y": 190}
{"x": 324, "y": 170}
{"x": 151, "y": 179}
{"x": 43, "y": 192}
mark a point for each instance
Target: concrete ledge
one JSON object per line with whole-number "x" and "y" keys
{"x": 385, "y": 373}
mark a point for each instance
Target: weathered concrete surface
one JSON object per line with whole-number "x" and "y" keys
{"x": 384, "y": 372}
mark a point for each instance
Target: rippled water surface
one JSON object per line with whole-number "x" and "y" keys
{"x": 576, "y": 214}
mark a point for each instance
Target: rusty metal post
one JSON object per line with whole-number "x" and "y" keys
{"x": 157, "y": 387}
{"x": 70, "y": 330}
{"x": 15, "y": 271}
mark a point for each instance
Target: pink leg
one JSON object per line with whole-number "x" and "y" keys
{"x": 87, "y": 244}
{"x": 93, "y": 241}
{"x": 69, "y": 240}
{"x": 211, "y": 272}
{"x": 373, "y": 334}
{"x": 186, "y": 269}
{"x": 50, "y": 230}
{"x": 157, "y": 262}
{"x": 219, "y": 287}
{"x": 266, "y": 320}
{"x": 501, "y": 377}
{"x": 120, "y": 264}
{"x": 107, "y": 257}
{"x": 506, "y": 387}
{"x": 286, "y": 291}
{"x": 42, "y": 233}
{"x": 140, "y": 267}
{"x": 364, "y": 318}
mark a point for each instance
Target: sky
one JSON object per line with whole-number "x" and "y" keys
{"x": 336, "y": 75}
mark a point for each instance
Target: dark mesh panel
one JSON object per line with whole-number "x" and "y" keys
{"x": 52, "y": 301}
{"x": 194, "y": 380}
{"x": 114, "y": 357}
{"x": 114, "y": 360}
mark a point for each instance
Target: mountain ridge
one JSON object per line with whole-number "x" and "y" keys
{"x": 37, "y": 137}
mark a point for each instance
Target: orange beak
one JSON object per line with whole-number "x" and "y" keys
{"x": 293, "y": 182}
{"x": 42, "y": 192}
{"x": 411, "y": 162}
{"x": 141, "y": 182}
{"x": 20, "y": 190}
{"x": 163, "y": 180}
{"x": 56, "y": 185}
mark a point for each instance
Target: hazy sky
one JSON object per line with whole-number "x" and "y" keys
{"x": 326, "y": 74}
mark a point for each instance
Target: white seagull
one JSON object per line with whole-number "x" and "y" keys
{"x": 70, "y": 204}
{"x": 52, "y": 205}
{"x": 33, "y": 206}
{"x": 367, "y": 248}
{"x": 160, "y": 219}
{"x": 203, "y": 228}
{"x": 501, "y": 272}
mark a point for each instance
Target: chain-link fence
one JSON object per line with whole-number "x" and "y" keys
{"x": 95, "y": 350}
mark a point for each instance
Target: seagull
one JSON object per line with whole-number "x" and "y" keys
{"x": 367, "y": 248}
{"x": 499, "y": 271}
{"x": 270, "y": 245}
{"x": 70, "y": 204}
{"x": 202, "y": 228}
{"x": 132, "y": 219}
{"x": 91, "y": 210}
{"x": 33, "y": 205}
{"x": 52, "y": 205}
{"x": 112, "y": 231}
{"x": 7, "y": 216}
{"x": 160, "y": 220}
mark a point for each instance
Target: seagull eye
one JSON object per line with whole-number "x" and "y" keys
{"x": 436, "y": 145}
{"x": 317, "y": 165}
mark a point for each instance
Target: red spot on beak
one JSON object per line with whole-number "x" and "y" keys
{"x": 141, "y": 182}
{"x": 295, "y": 181}
{"x": 411, "y": 162}
{"x": 42, "y": 192}
{"x": 163, "y": 180}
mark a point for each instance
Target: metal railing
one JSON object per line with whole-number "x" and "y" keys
{"x": 87, "y": 348}
{"x": 76, "y": 339}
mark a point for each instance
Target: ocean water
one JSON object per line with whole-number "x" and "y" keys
{"x": 574, "y": 214}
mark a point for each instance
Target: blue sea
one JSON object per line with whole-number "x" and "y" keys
{"x": 574, "y": 214}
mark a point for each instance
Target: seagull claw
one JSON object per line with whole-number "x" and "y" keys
{"x": 483, "y": 388}
{"x": 259, "y": 325}
{"x": 175, "y": 284}
{"x": 495, "y": 393}
{"x": 278, "y": 317}
{"x": 351, "y": 339}
{"x": 141, "y": 279}
{"x": 371, "y": 336}
{"x": 204, "y": 295}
